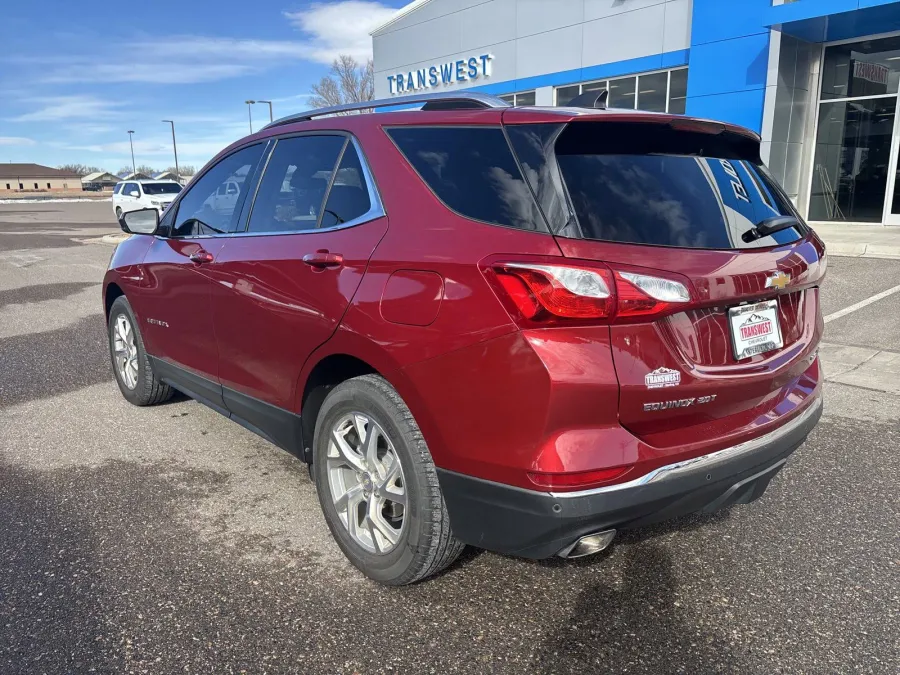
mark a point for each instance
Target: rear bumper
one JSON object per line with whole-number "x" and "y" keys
{"x": 532, "y": 524}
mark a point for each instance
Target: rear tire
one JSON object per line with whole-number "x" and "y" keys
{"x": 390, "y": 520}
{"x": 134, "y": 374}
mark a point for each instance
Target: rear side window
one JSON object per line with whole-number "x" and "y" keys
{"x": 678, "y": 188}
{"x": 292, "y": 191}
{"x": 472, "y": 171}
{"x": 117, "y": 189}
{"x": 349, "y": 195}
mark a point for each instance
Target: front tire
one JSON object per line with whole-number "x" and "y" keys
{"x": 119, "y": 212}
{"x": 377, "y": 484}
{"x": 134, "y": 374}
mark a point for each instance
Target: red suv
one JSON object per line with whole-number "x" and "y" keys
{"x": 516, "y": 328}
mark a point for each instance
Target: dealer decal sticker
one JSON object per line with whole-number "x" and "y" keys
{"x": 662, "y": 377}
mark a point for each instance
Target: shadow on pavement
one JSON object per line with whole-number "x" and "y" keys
{"x": 636, "y": 625}
{"x": 38, "y": 365}
{"x": 42, "y": 292}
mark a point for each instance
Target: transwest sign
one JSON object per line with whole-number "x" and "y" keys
{"x": 441, "y": 74}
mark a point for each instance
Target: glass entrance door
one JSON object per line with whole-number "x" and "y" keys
{"x": 853, "y": 153}
{"x": 855, "y": 164}
{"x": 892, "y": 206}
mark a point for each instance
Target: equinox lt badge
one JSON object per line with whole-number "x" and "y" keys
{"x": 679, "y": 403}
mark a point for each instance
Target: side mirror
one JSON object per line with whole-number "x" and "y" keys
{"x": 142, "y": 221}
{"x": 134, "y": 193}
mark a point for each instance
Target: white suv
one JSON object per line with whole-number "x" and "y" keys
{"x": 143, "y": 194}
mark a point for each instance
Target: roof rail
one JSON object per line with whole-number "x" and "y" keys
{"x": 442, "y": 100}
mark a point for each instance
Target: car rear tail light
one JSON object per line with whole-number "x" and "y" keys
{"x": 557, "y": 290}
{"x": 550, "y": 294}
{"x": 641, "y": 294}
{"x": 577, "y": 481}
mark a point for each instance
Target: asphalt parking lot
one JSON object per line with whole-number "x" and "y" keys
{"x": 169, "y": 539}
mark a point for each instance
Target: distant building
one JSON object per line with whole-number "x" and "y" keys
{"x": 135, "y": 176}
{"x": 100, "y": 180}
{"x": 36, "y": 178}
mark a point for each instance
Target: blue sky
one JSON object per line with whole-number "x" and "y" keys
{"x": 74, "y": 77}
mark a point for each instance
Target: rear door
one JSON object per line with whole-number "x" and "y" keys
{"x": 679, "y": 202}
{"x": 283, "y": 286}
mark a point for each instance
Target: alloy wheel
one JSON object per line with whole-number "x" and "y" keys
{"x": 366, "y": 481}
{"x": 125, "y": 350}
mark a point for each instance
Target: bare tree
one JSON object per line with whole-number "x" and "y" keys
{"x": 80, "y": 169}
{"x": 184, "y": 170}
{"x": 348, "y": 82}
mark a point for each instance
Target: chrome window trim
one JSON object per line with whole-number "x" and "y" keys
{"x": 677, "y": 469}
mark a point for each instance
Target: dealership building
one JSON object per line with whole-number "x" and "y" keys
{"x": 817, "y": 79}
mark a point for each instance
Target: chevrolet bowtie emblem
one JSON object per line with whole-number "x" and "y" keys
{"x": 778, "y": 280}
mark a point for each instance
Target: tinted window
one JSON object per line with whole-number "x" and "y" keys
{"x": 678, "y": 91}
{"x": 621, "y": 92}
{"x": 293, "y": 188}
{"x": 131, "y": 187}
{"x": 202, "y": 210}
{"x": 472, "y": 170}
{"x": 349, "y": 195}
{"x": 117, "y": 189}
{"x": 533, "y": 144}
{"x": 161, "y": 188}
{"x": 702, "y": 199}
{"x": 652, "y": 92}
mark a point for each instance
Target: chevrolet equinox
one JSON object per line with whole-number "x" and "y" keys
{"x": 517, "y": 328}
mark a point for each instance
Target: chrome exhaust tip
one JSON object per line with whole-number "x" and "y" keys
{"x": 588, "y": 545}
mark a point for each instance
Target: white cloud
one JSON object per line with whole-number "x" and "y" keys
{"x": 16, "y": 140}
{"x": 340, "y": 28}
{"x": 58, "y": 108}
{"x": 147, "y": 73}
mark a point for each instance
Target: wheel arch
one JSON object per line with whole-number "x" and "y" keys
{"x": 110, "y": 294}
{"x": 342, "y": 358}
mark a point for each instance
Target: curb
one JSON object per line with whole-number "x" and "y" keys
{"x": 114, "y": 239}
{"x": 863, "y": 250}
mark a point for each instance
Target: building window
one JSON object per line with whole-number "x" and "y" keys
{"x": 8, "y": 187}
{"x": 660, "y": 91}
{"x": 520, "y": 98}
{"x": 21, "y": 186}
{"x": 48, "y": 186}
{"x": 678, "y": 91}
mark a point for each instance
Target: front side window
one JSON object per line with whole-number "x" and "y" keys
{"x": 132, "y": 187}
{"x": 202, "y": 210}
{"x": 292, "y": 191}
{"x": 472, "y": 171}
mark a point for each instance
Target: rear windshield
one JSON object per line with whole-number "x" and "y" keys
{"x": 161, "y": 188}
{"x": 651, "y": 184}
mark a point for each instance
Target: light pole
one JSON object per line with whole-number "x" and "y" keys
{"x": 271, "y": 119}
{"x": 249, "y": 114}
{"x": 175, "y": 148}
{"x": 131, "y": 143}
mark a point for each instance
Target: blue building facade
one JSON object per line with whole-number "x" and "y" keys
{"x": 818, "y": 79}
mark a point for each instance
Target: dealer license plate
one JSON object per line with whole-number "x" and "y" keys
{"x": 755, "y": 329}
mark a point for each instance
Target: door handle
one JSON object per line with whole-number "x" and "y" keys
{"x": 200, "y": 256}
{"x": 322, "y": 259}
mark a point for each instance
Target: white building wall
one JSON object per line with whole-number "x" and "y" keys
{"x": 528, "y": 37}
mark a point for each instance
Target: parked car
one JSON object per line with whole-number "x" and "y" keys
{"x": 522, "y": 329}
{"x": 143, "y": 194}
